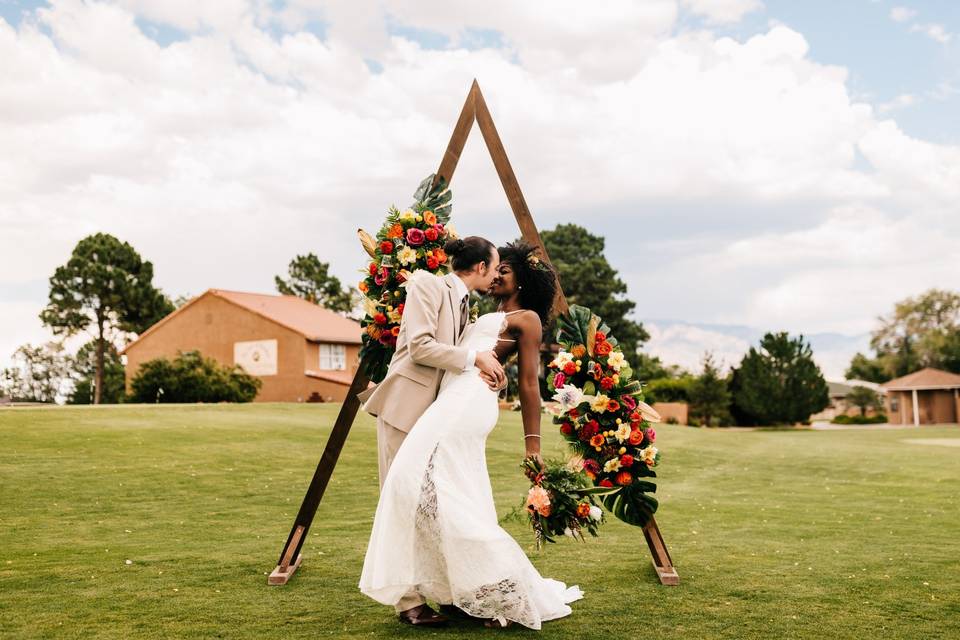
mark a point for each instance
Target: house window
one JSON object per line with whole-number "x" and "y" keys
{"x": 333, "y": 357}
{"x": 894, "y": 402}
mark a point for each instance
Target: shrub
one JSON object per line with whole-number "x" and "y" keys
{"x": 668, "y": 390}
{"x": 672, "y": 420}
{"x": 190, "y": 377}
{"x": 845, "y": 419}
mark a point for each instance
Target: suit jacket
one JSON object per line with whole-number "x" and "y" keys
{"x": 426, "y": 346}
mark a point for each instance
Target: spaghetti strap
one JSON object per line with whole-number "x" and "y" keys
{"x": 507, "y": 313}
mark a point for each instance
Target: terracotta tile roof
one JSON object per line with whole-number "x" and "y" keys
{"x": 928, "y": 378}
{"x": 310, "y": 320}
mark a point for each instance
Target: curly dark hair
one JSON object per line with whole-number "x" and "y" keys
{"x": 536, "y": 279}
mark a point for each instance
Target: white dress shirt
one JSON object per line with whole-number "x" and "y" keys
{"x": 461, "y": 290}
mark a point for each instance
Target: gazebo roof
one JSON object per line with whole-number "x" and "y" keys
{"x": 928, "y": 378}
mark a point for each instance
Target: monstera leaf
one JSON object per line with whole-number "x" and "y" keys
{"x": 437, "y": 198}
{"x": 632, "y": 504}
{"x": 580, "y": 326}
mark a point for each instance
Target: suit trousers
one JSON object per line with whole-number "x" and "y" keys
{"x": 389, "y": 439}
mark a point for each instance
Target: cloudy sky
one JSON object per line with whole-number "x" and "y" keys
{"x": 772, "y": 165}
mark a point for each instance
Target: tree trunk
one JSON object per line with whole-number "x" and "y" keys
{"x": 98, "y": 378}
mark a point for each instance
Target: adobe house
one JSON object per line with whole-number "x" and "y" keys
{"x": 301, "y": 351}
{"x": 928, "y": 396}
{"x": 839, "y": 405}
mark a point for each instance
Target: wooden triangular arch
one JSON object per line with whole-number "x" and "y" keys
{"x": 474, "y": 110}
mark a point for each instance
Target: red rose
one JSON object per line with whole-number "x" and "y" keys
{"x": 431, "y": 234}
{"x": 606, "y": 483}
{"x": 624, "y": 478}
{"x": 380, "y": 318}
{"x": 589, "y": 430}
{"x": 386, "y": 246}
{"x": 592, "y": 466}
{"x": 432, "y": 263}
{"x": 635, "y": 417}
{"x": 606, "y": 383}
{"x": 400, "y": 308}
{"x": 573, "y": 413}
{"x": 603, "y": 348}
{"x": 570, "y": 368}
{"x": 566, "y": 428}
{"x": 599, "y": 337}
{"x": 415, "y": 237}
{"x": 626, "y": 460}
{"x": 373, "y": 268}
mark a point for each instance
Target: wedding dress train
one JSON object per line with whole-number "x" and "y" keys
{"x": 436, "y": 528}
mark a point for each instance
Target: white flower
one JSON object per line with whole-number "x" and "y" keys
{"x": 562, "y": 358}
{"x": 371, "y": 307}
{"x": 408, "y": 214}
{"x": 407, "y": 255}
{"x": 649, "y": 455}
{"x": 623, "y": 432}
{"x": 595, "y": 513}
{"x": 568, "y": 396}
{"x": 616, "y": 360}
{"x": 613, "y": 464}
{"x": 451, "y": 231}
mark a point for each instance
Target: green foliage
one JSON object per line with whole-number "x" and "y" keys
{"x": 37, "y": 375}
{"x": 920, "y": 332}
{"x": 709, "y": 396}
{"x": 865, "y": 398}
{"x": 588, "y": 280}
{"x": 190, "y": 377}
{"x": 668, "y": 389}
{"x": 84, "y": 368}
{"x": 861, "y": 419}
{"x": 779, "y": 383}
{"x": 104, "y": 287}
{"x": 310, "y": 279}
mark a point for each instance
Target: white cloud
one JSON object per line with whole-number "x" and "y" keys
{"x": 934, "y": 31}
{"x": 224, "y": 154}
{"x": 902, "y": 14}
{"x": 901, "y": 101}
{"x": 722, "y": 11}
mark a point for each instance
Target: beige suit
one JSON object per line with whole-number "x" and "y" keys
{"x": 426, "y": 346}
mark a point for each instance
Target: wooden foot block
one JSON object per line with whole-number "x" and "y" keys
{"x": 279, "y": 576}
{"x": 668, "y": 576}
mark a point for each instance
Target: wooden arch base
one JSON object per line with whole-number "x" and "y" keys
{"x": 474, "y": 110}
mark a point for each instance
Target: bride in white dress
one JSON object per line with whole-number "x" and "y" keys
{"x": 436, "y": 528}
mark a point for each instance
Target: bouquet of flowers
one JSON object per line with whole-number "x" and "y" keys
{"x": 408, "y": 240}
{"x": 602, "y": 416}
{"x": 560, "y": 500}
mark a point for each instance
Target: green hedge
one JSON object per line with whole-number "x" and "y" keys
{"x": 845, "y": 419}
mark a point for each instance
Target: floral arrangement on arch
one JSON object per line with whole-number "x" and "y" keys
{"x": 409, "y": 240}
{"x": 602, "y": 416}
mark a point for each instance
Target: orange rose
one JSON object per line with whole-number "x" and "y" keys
{"x": 363, "y": 286}
{"x": 429, "y": 217}
{"x": 396, "y": 231}
{"x": 440, "y": 255}
{"x": 636, "y": 437}
{"x": 583, "y": 509}
{"x": 624, "y": 478}
{"x": 603, "y": 348}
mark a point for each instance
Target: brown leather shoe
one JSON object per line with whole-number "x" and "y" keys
{"x": 453, "y": 611}
{"x": 422, "y": 616}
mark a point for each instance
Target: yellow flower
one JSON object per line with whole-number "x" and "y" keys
{"x": 407, "y": 215}
{"x": 616, "y": 360}
{"x": 613, "y": 464}
{"x": 623, "y": 432}
{"x": 599, "y": 403}
{"x": 407, "y": 255}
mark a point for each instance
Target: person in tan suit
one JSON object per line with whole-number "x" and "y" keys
{"x": 436, "y": 312}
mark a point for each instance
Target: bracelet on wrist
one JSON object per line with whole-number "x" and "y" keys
{"x": 532, "y": 435}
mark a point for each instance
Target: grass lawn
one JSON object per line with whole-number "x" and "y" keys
{"x": 798, "y": 534}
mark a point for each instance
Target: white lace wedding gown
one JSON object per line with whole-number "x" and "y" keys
{"x": 436, "y": 527}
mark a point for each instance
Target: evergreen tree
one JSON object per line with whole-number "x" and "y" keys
{"x": 778, "y": 383}
{"x": 709, "y": 395}
{"x": 84, "y": 370}
{"x": 311, "y": 280}
{"x": 105, "y": 287}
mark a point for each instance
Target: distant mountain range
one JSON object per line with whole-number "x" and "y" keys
{"x": 684, "y": 343}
